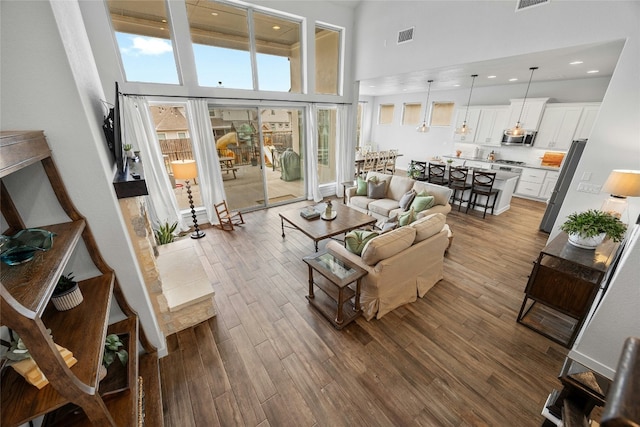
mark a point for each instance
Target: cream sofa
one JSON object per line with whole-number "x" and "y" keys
{"x": 402, "y": 264}
{"x": 397, "y": 186}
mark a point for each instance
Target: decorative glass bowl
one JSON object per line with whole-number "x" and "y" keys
{"x": 22, "y": 246}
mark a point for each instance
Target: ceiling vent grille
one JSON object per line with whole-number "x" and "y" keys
{"x": 405, "y": 36}
{"x": 523, "y": 4}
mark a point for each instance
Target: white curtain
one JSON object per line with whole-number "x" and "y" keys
{"x": 313, "y": 188}
{"x": 140, "y": 131}
{"x": 345, "y": 151}
{"x": 206, "y": 156}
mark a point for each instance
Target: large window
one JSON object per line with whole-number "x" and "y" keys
{"x": 327, "y": 60}
{"x": 327, "y": 126}
{"x": 144, "y": 40}
{"x": 385, "y": 115}
{"x": 411, "y": 114}
{"x": 441, "y": 113}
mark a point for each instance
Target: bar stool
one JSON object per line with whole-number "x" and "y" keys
{"x": 420, "y": 170}
{"x": 458, "y": 183}
{"x": 482, "y": 185}
{"x": 437, "y": 174}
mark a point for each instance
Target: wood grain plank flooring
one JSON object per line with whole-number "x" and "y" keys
{"x": 456, "y": 357}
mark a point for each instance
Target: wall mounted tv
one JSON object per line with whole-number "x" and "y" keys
{"x": 112, "y": 127}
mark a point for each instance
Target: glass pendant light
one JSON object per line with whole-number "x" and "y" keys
{"x": 464, "y": 129}
{"x": 423, "y": 127}
{"x": 517, "y": 129}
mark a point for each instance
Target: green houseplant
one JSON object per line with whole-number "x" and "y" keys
{"x": 66, "y": 294}
{"x": 164, "y": 233}
{"x": 589, "y": 228}
{"x": 114, "y": 348}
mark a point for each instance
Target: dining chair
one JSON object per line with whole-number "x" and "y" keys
{"x": 390, "y": 167}
{"x": 369, "y": 163}
{"x": 381, "y": 161}
{"x": 482, "y": 185}
{"x": 458, "y": 183}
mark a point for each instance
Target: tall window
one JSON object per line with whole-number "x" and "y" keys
{"x": 327, "y": 60}
{"x": 441, "y": 113}
{"x": 144, "y": 40}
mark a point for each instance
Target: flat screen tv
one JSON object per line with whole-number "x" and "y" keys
{"x": 112, "y": 127}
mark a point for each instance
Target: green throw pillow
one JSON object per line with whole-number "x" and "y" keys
{"x": 356, "y": 240}
{"x": 407, "y": 218}
{"x": 421, "y": 203}
{"x": 361, "y": 189}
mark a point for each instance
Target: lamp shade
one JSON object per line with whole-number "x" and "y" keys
{"x": 184, "y": 169}
{"x": 623, "y": 183}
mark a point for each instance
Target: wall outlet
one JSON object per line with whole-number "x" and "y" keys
{"x": 586, "y": 176}
{"x": 589, "y": 188}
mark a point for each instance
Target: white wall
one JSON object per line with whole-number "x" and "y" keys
{"x": 48, "y": 82}
{"x": 449, "y": 33}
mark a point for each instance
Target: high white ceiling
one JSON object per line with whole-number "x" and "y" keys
{"x": 552, "y": 65}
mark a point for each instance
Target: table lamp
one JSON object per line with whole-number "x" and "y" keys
{"x": 187, "y": 170}
{"x": 620, "y": 185}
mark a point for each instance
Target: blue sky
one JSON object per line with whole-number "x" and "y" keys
{"x": 149, "y": 59}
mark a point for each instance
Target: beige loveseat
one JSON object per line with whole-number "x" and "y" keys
{"x": 396, "y": 187}
{"x": 402, "y": 264}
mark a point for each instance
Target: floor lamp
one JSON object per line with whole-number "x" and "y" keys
{"x": 186, "y": 170}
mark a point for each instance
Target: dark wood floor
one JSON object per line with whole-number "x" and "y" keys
{"x": 457, "y": 357}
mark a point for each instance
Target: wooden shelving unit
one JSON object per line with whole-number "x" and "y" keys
{"x": 74, "y": 396}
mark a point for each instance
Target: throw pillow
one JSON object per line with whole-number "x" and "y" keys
{"x": 356, "y": 240}
{"x": 361, "y": 187}
{"x": 406, "y": 199}
{"x": 390, "y": 224}
{"x": 407, "y": 217}
{"x": 421, "y": 203}
{"x": 376, "y": 189}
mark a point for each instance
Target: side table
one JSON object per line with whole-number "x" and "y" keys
{"x": 563, "y": 284}
{"x": 339, "y": 281}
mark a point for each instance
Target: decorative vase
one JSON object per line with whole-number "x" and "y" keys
{"x": 67, "y": 300}
{"x": 586, "y": 242}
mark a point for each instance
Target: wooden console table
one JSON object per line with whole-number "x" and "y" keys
{"x": 562, "y": 286}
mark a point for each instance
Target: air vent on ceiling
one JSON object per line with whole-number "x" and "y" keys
{"x": 405, "y": 36}
{"x": 523, "y": 4}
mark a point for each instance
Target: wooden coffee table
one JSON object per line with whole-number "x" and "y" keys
{"x": 347, "y": 219}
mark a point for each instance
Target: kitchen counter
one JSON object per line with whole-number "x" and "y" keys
{"x": 471, "y": 159}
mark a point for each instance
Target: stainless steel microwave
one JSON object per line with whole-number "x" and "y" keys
{"x": 525, "y": 140}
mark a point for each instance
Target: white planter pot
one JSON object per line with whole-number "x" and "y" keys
{"x": 68, "y": 300}
{"x": 586, "y": 242}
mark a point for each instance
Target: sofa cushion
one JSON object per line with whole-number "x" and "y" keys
{"x": 361, "y": 187}
{"x": 376, "y": 189}
{"x": 407, "y": 217}
{"x": 361, "y": 202}
{"x": 387, "y": 245}
{"x": 440, "y": 193}
{"x": 421, "y": 203}
{"x": 383, "y": 207}
{"x": 428, "y": 226}
{"x": 355, "y": 240}
{"x": 398, "y": 186}
{"x": 406, "y": 199}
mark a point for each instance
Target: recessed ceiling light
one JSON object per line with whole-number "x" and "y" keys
{"x": 513, "y": 80}
{"x": 575, "y": 62}
{"x": 162, "y": 28}
{"x": 214, "y": 13}
{"x": 164, "y": 20}
{"x": 593, "y": 71}
{"x": 276, "y": 27}
{"x": 491, "y": 77}
{"x": 456, "y": 85}
{"x": 372, "y": 85}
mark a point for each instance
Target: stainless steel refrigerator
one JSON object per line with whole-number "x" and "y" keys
{"x": 569, "y": 166}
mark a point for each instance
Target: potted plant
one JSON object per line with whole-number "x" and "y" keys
{"x": 67, "y": 294}
{"x": 588, "y": 229}
{"x": 128, "y": 150}
{"x": 114, "y": 348}
{"x": 164, "y": 233}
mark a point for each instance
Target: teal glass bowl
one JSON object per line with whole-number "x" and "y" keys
{"x": 22, "y": 246}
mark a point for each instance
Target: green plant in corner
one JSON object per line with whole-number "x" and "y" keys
{"x": 164, "y": 233}
{"x": 112, "y": 349}
{"x": 593, "y": 222}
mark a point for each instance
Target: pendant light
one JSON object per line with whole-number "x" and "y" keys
{"x": 517, "y": 129}
{"x": 464, "y": 129}
{"x": 423, "y": 127}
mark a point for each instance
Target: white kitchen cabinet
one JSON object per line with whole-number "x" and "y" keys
{"x": 472, "y": 122}
{"x": 491, "y": 125}
{"x": 548, "y": 184}
{"x": 588, "y": 117}
{"x": 558, "y": 126}
{"x": 531, "y": 114}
